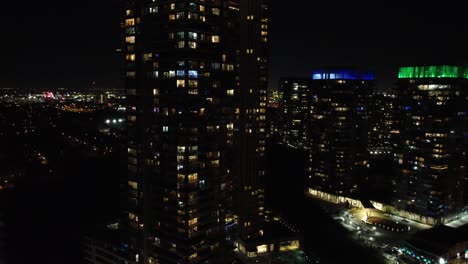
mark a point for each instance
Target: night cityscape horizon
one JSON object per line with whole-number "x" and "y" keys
{"x": 234, "y": 131}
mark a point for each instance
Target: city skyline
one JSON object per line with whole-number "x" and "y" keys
{"x": 234, "y": 132}
{"x": 62, "y": 47}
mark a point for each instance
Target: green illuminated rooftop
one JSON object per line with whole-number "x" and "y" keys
{"x": 441, "y": 71}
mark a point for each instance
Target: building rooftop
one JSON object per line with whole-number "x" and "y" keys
{"x": 438, "y": 71}
{"x": 438, "y": 240}
{"x": 342, "y": 74}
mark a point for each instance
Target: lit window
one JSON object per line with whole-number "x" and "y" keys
{"x": 193, "y": 221}
{"x": 181, "y": 83}
{"x": 193, "y": 83}
{"x": 192, "y": 44}
{"x": 215, "y": 11}
{"x": 192, "y": 35}
{"x": 181, "y": 44}
{"x": 130, "y": 39}
{"x": 193, "y": 256}
{"x": 193, "y": 177}
{"x": 191, "y": 15}
{"x": 172, "y": 6}
{"x": 130, "y": 57}
{"x": 215, "y": 39}
{"x": 130, "y": 22}
{"x": 193, "y": 74}
{"x": 262, "y": 249}
{"x": 165, "y": 129}
{"x": 133, "y": 185}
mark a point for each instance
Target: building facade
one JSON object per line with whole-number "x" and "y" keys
{"x": 380, "y": 108}
{"x": 196, "y": 85}
{"x": 295, "y": 111}
{"x": 339, "y": 128}
{"x": 430, "y": 154}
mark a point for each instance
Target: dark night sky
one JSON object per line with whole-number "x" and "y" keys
{"x": 71, "y": 44}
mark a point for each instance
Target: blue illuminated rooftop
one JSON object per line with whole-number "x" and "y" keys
{"x": 342, "y": 75}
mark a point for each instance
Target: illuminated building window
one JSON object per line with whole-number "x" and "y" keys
{"x": 262, "y": 249}
{"x": 165, "y": 129}
{"x": 130, "y": 39}
{"x": 147, "y": 57}
{"x": 181, "y": 34}
{"x": 193, "y": 256}
{"x": 181, "y": 83}
{"x": 192, "y": 44}
{"x": 130, "y": 22}
{"x": 181, "y": 44}
{"x": 131, "y": 57}
{"x": 215, "y": 39}
{"x": 230, "y": 92}
{"x": 192, "y": 35}
{"x": 215, "y": 11}
{"x": 133, "y": 185}
{"x": 192, "y": 15}
{"x": 193, "y": 83}
{"x": 193, "y": 177}
{"x": 172, "y": 17}
{"x": 193, "y": 221}
{"x": 180, "y": 73}
{"x": 202, "y": 8}
{"x": 172, "y": 6}
{"x": 193, "y": 74}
